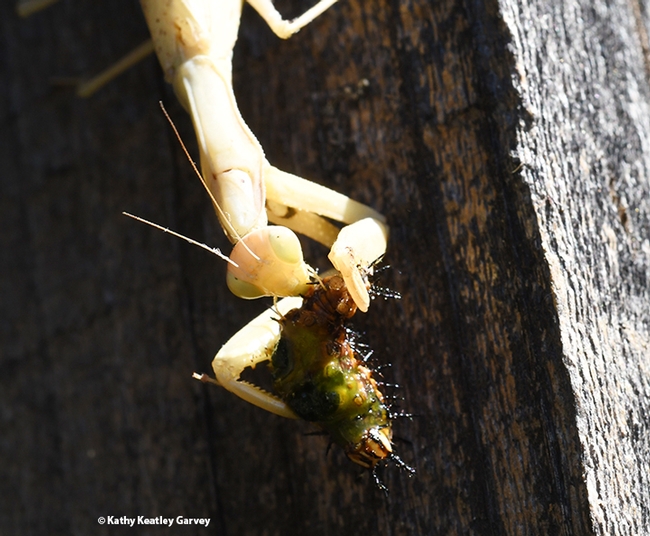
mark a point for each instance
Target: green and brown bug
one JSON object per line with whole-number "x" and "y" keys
{"x": 318, "y": 372}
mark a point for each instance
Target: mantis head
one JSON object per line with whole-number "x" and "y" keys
{"x": 269, "y": 262}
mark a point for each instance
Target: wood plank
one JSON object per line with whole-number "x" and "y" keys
{"x": 507, "y": 144}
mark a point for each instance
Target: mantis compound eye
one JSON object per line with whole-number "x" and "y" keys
{"x": 269, "y": 263}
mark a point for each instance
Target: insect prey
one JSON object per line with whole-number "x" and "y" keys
{"x": 318, "y": 372}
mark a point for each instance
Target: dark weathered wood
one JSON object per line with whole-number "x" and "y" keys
{"x": 583, "y": 81}
{"x": 507, "y": 143}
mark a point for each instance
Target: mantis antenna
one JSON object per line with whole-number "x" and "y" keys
{"x": 196, "y": 170}
{"x": 214, "y": 251}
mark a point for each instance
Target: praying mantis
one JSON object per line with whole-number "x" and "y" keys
{"x": 194, "y": 41}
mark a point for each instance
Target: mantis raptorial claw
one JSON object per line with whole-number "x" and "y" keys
{"x": 250, "y": 346}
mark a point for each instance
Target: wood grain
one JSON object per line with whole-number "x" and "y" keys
{"x": 508, "y": 145}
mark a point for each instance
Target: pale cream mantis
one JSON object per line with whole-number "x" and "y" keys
{"x": 194, "y": 40}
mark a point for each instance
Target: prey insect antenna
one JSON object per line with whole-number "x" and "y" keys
{"x": 225, "y": 217}
{"x": 215, "y": 251}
